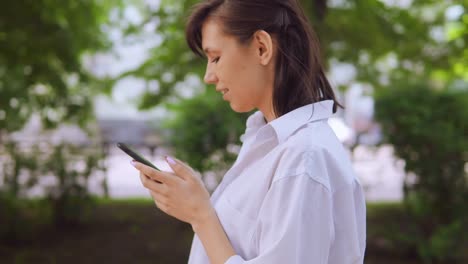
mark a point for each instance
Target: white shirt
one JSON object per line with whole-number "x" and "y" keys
{"x": 291, "y": 196}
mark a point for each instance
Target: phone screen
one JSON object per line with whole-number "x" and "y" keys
{"x": 135, "y": 155}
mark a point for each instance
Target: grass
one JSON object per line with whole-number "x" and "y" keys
{"x": 135, "y": 231}
{"x": 118, "y": 231}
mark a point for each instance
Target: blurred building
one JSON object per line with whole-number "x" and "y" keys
{"x": 139, "y": 133}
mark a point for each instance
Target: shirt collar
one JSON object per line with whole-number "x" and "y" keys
{"x": 255, "y": 121}
{"x": 287, "y": 124}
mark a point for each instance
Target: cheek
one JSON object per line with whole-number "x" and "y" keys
{"x": 244, "y": 80}
{"x": 251, "y": 82}
{"x": 243, "y": 75}
{"x": 234, "y": 66}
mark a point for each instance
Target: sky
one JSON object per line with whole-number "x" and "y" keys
{"x": 121, "y": 104}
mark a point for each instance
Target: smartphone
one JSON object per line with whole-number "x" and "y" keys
{"x": 135, "y": 155}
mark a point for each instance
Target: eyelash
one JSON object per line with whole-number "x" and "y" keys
{"x": 215, "y": 60}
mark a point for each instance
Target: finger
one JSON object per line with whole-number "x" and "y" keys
{"x": 152, "y": 185}
{"x": 156, "y": 175}
{"x": 180, "y": 169}
{"x": 158, "y": 198}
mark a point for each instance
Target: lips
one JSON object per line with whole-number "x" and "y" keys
{"x": 223, "y": 91}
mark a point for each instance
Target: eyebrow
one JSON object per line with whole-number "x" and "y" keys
{"x": 208, "y": 50}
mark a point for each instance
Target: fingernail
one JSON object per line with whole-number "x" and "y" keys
{"x": 133, "y": 163}
{"x": 170, "y": 160}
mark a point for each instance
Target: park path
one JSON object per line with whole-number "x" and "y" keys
{"x": 379, "y": 172}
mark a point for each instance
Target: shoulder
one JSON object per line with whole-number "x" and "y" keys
{"x": 315, "y": 152}
{"x": 309, "y": 161}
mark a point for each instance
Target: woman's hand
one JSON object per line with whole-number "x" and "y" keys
{"x": 181, "y": 194}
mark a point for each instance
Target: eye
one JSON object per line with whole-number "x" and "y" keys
{"x": 215, "y": 60}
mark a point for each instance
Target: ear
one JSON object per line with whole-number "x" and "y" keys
{"x": 263, "y": 44}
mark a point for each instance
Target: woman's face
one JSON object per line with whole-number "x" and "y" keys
{"x": 236, "y": 70}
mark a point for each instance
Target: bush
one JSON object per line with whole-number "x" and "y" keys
{"x": 387, "y": 230}
{"x": 66, "y": 202}
{"x": 21, "y": 219}
{"x": 428, "y": 130}
{"x": 70, "y": 199}
{"x": 203, "y": 128}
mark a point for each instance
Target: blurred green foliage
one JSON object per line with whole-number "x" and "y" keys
{"x": 112, "y": 224}
{"x": 66, "y": 202}
{"x": 386, "y": 44}
{"x": 428, "y": 129}
{"x": 390, "y": 47}
{"x": 203, "y": 128}
{"x": 22, "y": 219}
{"x": 42, "y": 46}
{"x": 360, "y": 32}
{"x": 388, "y": 230}
{"x": 73, "y": 168}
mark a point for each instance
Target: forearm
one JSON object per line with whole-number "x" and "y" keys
{"x": 214, "y": 239}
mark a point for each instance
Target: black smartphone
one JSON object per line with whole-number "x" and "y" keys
{"x": 135, "y": 155}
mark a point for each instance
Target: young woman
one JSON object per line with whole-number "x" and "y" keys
{"x": 291, "y": 196}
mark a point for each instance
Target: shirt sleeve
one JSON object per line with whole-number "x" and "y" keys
{"x": 236, "y": 259}
{"x": 296, "y": 223}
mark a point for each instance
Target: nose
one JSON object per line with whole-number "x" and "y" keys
{"x": 210, "y": 76}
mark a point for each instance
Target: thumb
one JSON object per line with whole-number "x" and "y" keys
{"x": 179, "y": 168}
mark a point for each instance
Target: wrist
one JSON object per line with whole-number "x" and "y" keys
{"x": 203, "y": 219}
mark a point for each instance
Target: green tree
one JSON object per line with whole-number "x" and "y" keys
{"x": 428, "y": 128}
{"x": 389, "y": 46}
{"x": 42, "y": 46}
{"x": 385, "y": 43}
{"x": 202, "y": 129}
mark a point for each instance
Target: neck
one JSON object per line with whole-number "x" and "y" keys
{"x": 268, "y": 113}
{"x": 266, "y": 106}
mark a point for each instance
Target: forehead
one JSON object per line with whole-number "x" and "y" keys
{"x": 213, "y": 37}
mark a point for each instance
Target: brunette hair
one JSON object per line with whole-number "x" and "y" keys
{"x": 300, "y": 77}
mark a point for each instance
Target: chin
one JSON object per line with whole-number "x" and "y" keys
{"x": 241, "y": 108}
